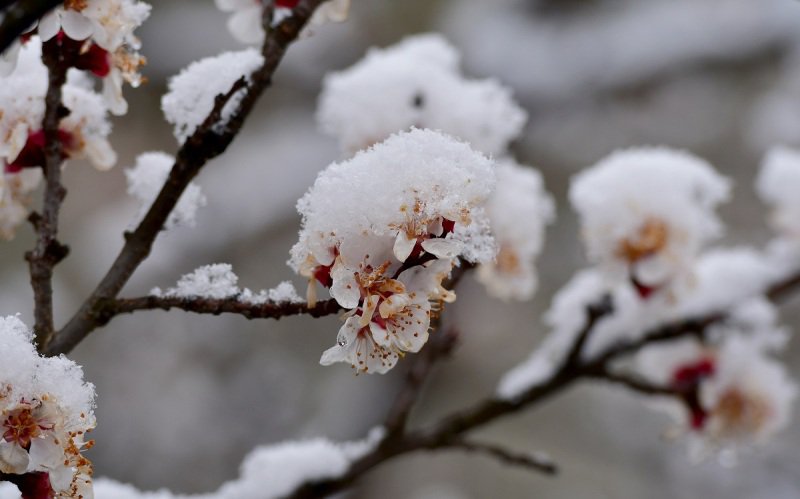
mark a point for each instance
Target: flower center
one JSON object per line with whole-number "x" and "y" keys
{"x": 21, "y": 427}
{"x": 652, "y": 237}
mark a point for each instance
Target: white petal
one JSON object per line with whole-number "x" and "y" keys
{"x": 17, "y": 140}
{"x": 13, "y": 458}
{"x": 380, "y": 335}
{"x": 8, "y": 59}
{"x": 370, "y": 304}
{"x": 76, "y": 25}
{"x": 333, "y": 355}
{"x": 49, "y": 25}
{"x": 394, "y": 304}
{"x": 45, "y": 453}
{"x": 653, "y": 270}
{"x": 112, "y": 93}
{"x": 345, "y": 288}
{"x": 442, "y": 248}
{"x": 403, "y": 245}
{"x": 230, "y": 5}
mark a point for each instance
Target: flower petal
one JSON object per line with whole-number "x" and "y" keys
{"x": 442, "y": 248}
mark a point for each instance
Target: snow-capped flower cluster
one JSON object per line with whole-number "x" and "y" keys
{"x": 191, "y": 93}
{"x": 101, "y": 33}
{"x": 777, "y": 185}
{"x": 732, "y": 393}
{"x": 45, "y": 411}
{"x": 147, "y": 177}
{"x": 83, "y": 132}
{"x": 416, "y": 83}
{"x": 245, "y": 22}
{"x": 383, "y": 230}
{"x": 646, "y": 213}
{"x": 218, "y": 281}
{"x": 518, "y": 211}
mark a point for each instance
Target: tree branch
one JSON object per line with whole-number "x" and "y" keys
{"x": 201, "y": 305}
{"x": 204, "y": 144}
{"x": 20, "y": 16}
{"x": 454, "y": 427}
{"x": 532, "y": 462}
{"x": 48, "y": 251}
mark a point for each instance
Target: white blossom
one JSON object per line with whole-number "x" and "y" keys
{"x": 45, "y": 411}
{"x": 109, "y": 48}
{"x": 381, "y": 231}
{"x": 646, "y": 213}
{"x": 15, "y": 199}
{"x": 192, "y": 92}
{"x": 147, "y": 177}
{"x": 416, "y": 82}
{"x": 518, "y": 211}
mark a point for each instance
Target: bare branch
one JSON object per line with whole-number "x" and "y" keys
{"x": 533, "y": 462}
{"x": 201, "y": 305}
{"x": 204, "y": 144}
{"x": 48, "y": 251}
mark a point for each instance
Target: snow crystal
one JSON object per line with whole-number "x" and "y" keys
{"x": 215, "y": 281}
{"x": 284, "y": 292}
{"x": 146, "y": 179}
{"x": 416, "y": 83}
{"x": 192, "y": 92}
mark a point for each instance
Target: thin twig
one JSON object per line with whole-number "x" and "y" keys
{"x": 205, "y": 143}
{"x": 48, "y": 251}
{"x": 21, "y": 16}
{"x": 531, "y": 462}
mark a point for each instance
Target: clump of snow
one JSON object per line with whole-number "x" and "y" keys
{"x": 269, "y": 471}
{"x": 519, "y": 209}
{"x": 416, "y": 82}
{"x": 148, "y": 176}
{"x": 218, "y": 281}
{"x": 191, "y": 93}
{"x": 209, "y": 281}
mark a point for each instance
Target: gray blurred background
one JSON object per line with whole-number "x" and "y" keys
{"x": 183, "y": 398}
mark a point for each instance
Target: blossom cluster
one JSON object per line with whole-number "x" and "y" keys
{"x": 46, "y": 409}
{"x": 90, "y": 37}
{"x": 383, "y": 230}
{"x": 418, "y": 83}
{"x": 647, "y": 215}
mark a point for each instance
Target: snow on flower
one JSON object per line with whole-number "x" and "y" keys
{"x": 147, "y": 177}
{"x": 518, "y": 211}
{"x": 192, "y": 92}
{"x": 245, "y": 22}
{"x": 777, "y": 185}
{"x": 45, "y": 411}
{"x": 383, "y": 230}
{"x": 101, "y": 33}
{"x": 416, "y": 82}
{"x": 646, "y": 213}
{"x": 731, "y": 395}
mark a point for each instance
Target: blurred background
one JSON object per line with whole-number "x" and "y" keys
{"x": 182, "y": 398}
